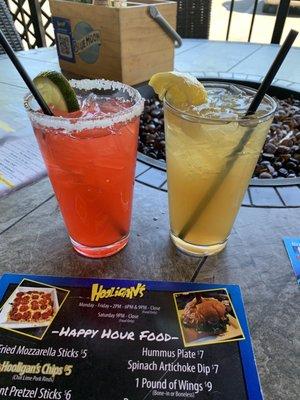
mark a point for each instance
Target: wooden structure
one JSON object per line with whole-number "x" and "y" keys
{"x": 122, "y": 44}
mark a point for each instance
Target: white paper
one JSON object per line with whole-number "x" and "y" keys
{"x": 20, "y": 159}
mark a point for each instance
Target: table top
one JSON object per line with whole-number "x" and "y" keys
{"x": 33, "y": 239}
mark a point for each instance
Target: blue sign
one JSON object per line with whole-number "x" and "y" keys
{"x": 63, "y": 38}
{"x": 292, "y": 245}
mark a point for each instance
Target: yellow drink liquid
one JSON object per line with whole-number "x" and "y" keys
{"x": 198, "y": 155}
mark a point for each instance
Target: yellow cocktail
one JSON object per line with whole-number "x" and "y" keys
{"x": 211, "y": 154}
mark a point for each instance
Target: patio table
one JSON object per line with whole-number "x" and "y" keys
{"x": 33, "y": 238}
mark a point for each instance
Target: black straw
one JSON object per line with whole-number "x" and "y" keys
{"x": 36, "y": 94}
{"x": 264, "y": 86}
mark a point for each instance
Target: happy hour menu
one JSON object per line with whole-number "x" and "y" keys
{"x": 67, "y": 338}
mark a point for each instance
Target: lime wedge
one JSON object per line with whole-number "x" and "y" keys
{"x": 56, "y": 91}
{"x": 181, "y": 89}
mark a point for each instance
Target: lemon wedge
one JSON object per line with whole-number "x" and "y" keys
{"x": 182, "y": 90}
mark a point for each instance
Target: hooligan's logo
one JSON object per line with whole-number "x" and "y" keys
{"x": 99, "y": 292}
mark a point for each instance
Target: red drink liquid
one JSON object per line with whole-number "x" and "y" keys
{"x": 92, "y": 174}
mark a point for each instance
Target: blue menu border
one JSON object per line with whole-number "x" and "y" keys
{"x": 289, "y": 243}
{"x": 247, "y": 356}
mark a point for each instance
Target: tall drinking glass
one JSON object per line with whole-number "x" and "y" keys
{"x": 90, "y": 156}
{"x": 211, "y": 153}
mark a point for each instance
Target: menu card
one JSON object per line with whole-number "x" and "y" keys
{"x": 67, "y": 338}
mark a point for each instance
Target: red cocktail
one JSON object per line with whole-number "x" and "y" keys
{"x": 90, "y": 156}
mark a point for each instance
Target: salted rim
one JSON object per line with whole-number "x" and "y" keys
{"x": 250, "y": 118}
{"x": 79, "y": 124}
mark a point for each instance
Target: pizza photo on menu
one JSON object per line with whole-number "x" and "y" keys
{"x": 30, "y": 309}
{"x": 33, "y": 306}
{"x": 207, "y": 317}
